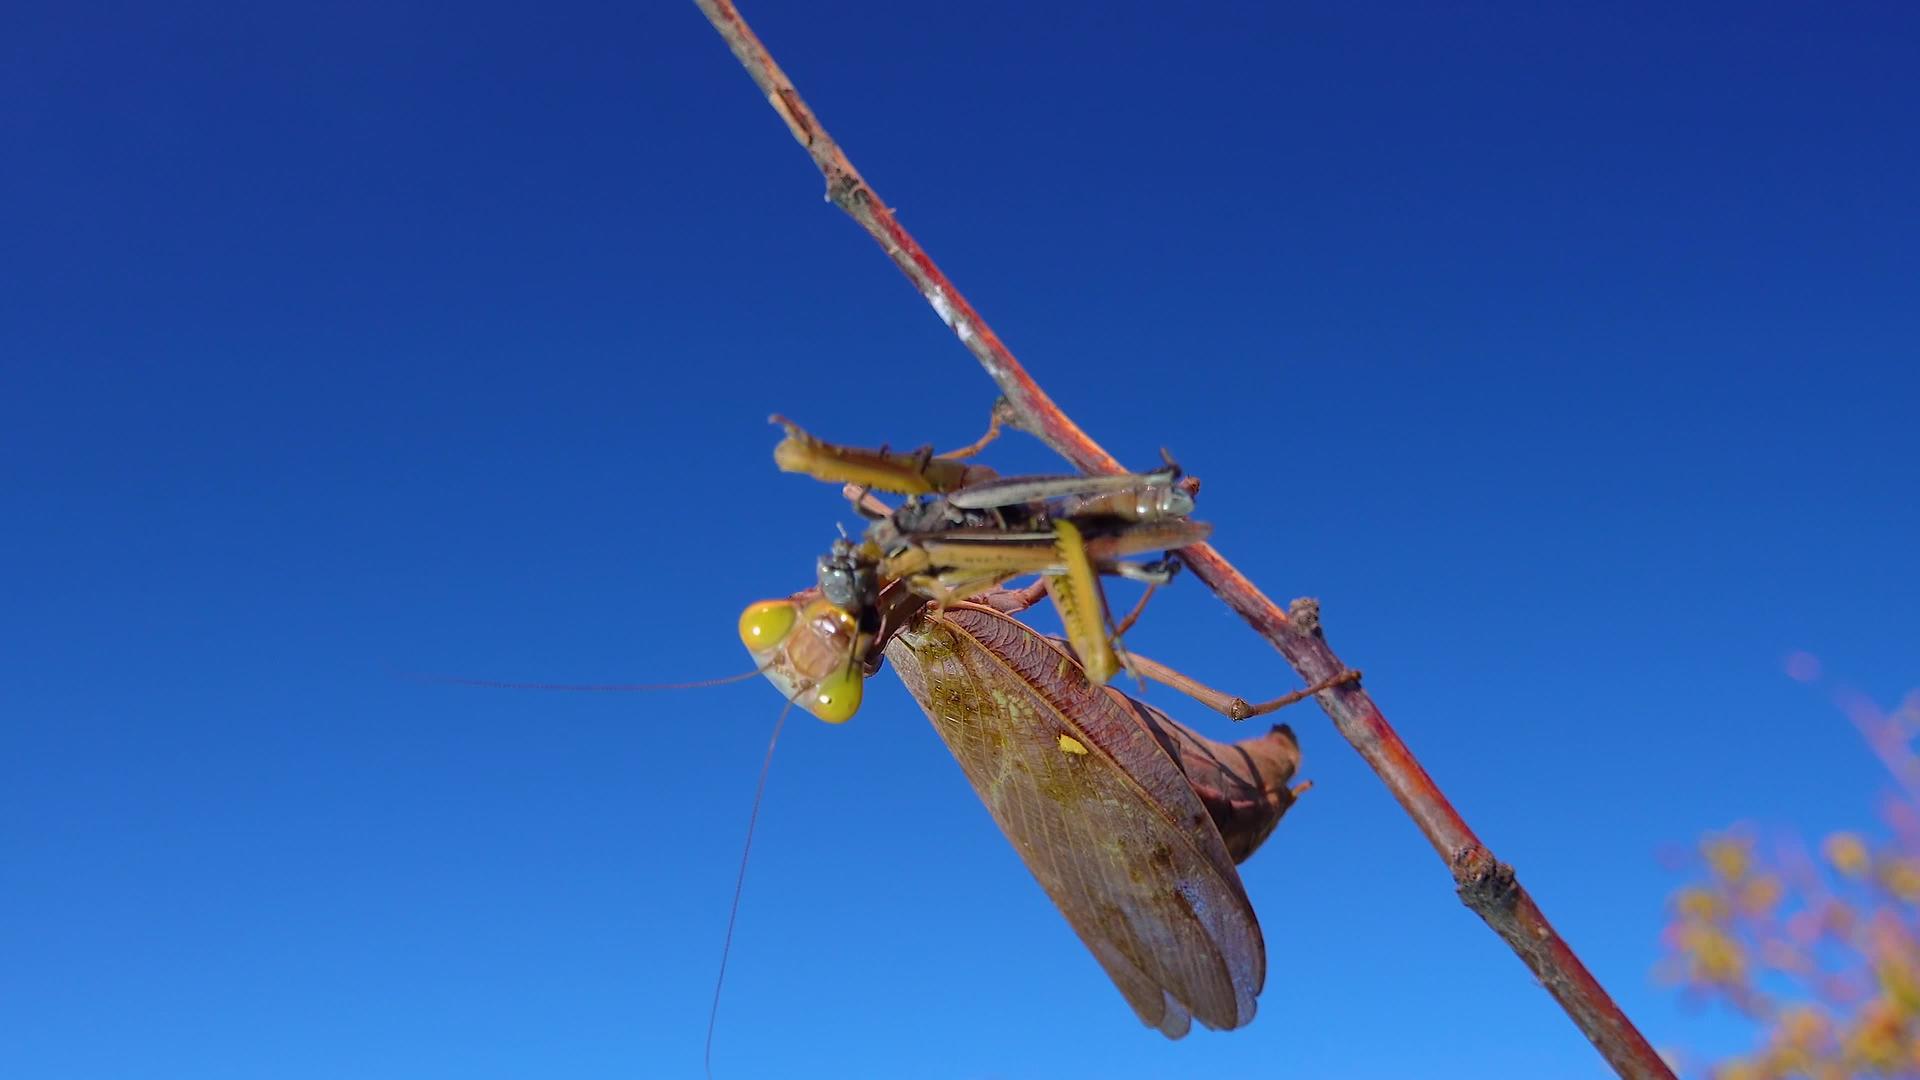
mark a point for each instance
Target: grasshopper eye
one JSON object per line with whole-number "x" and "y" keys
{"x": 766, "y": 624}
{"x": 836, "y": 698}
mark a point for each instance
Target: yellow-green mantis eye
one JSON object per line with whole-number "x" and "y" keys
{"x": 766, "y": 624}
{"x": 836, "y": 698}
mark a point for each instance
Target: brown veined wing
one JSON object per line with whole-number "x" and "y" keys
{"x": 1098, "y": 809}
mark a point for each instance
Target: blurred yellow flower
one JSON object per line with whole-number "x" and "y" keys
{"x": 1699, "y": 904}
{"x": 1847, "y": 853}
{"x": 1901, "y": 877}
{"x": 1760, "y": 894}
{"x": 1728, "y": 857}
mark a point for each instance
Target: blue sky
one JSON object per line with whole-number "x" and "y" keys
{"x": 1568, "y": 356}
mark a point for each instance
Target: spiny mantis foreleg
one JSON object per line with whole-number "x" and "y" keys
{"x": 911, "y": 472}
{"x": 967, "y": 532}
{"x": 1069, "y": 562}
{"x": 953, "y": 586}
{"x": 955, "y": 565}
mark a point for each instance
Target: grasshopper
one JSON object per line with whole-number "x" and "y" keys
{"x": 1132, "y": 823}
{"x": 964, "y": 530}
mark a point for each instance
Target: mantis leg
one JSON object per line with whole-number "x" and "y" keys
{"x": 943, "y": 590}
{"x": 864, "y": 503}
{"x": 1075, "y": 590}
{"x": 1015, "y": 601}
{"x": 1228, "y": 705}
{"x": 910, "y": 472}
{"x": 974, "y": 447}
{"x": 1139, "y": 608}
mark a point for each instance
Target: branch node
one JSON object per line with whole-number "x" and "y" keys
{"x": 1305, "y": 614}
{"x": 845, "y": 191}
{"x": 1485, "y": 883}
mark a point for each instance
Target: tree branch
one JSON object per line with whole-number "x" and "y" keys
{"x": 1484, "y": 884}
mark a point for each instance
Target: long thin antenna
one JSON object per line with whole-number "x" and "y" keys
{"x": 593, "y": 688}
{"x": 739, "y": 884}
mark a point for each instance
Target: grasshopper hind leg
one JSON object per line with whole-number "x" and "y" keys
{"x": 1082, "y": 605}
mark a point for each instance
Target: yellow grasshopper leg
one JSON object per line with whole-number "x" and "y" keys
{"x": 1083, "y": 610}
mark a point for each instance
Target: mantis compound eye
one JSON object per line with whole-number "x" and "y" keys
{"x": 766, "y": 624}
{"x": 836, "y": 698}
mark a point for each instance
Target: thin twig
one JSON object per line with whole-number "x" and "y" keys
{"x": 1485, "y": 884}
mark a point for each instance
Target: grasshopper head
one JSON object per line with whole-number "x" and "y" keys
{"x": 809, "y": 648}
{"x": 1169, "y": 501}
{"x": 847, "y": 576}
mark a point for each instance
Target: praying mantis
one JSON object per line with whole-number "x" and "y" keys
{"x": 1132, "y": 823}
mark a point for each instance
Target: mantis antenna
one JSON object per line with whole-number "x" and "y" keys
{"x": 592, "y": 688}
{"x": 740, "y": 881}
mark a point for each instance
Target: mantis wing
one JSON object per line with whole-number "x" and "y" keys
{"x": 1098, "y": 809}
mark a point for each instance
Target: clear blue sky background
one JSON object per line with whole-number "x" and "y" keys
{"x": 1568, "y": 357}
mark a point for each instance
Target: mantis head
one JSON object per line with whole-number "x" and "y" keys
{"x": 810, "y": 649}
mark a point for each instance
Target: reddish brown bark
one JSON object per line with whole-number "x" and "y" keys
{"x": 1484, "y": 884}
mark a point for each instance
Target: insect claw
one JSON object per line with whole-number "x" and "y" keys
{"x": 1155, "y": 574}
{"x": 993, "y": 432}
{"x": 864, "y": 504}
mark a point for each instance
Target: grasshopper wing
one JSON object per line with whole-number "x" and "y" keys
{"x": 1098, "y": 810}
